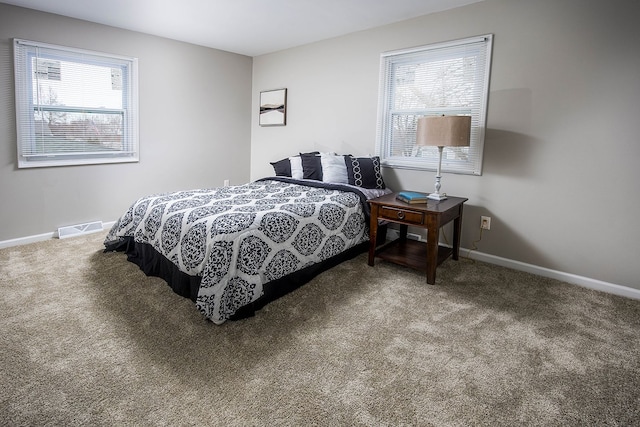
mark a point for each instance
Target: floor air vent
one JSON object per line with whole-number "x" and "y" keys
{"x": 79, "y": 229}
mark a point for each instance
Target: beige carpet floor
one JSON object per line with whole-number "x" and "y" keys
{"x": 87, "y": 339}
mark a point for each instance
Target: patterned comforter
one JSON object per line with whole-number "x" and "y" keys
{"x": 239, "y": 238}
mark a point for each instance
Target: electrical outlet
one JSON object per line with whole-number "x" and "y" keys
{"x": 485, "y": 222}
{"x": 226, "y": 182}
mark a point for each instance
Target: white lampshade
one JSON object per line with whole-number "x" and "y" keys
{"x": 444, "y": 131}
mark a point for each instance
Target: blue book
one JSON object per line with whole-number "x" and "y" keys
{"x": 412, "y": 197}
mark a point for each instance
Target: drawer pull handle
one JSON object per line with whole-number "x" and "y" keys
{"x": 400, "y": 215}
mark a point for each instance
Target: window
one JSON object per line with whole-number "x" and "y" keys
{"x": 74, "y": 106}
{"x": 442, "y": 79}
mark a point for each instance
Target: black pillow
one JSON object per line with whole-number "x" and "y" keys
{"x": 282, "y": 167}
{"x": 311, "y": 166}
{"x": 364, "y": 172}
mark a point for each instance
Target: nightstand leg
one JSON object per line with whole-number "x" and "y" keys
{"x": 403, "y": 232}
{"x": 432, "y": 252}
{"x": 373, "y": 234}
{"x": 457, "y": 229}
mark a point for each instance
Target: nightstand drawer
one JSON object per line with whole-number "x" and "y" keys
{"x": 397, "y": 214}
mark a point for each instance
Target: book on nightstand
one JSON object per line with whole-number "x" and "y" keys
{"x": 411, "y": 197}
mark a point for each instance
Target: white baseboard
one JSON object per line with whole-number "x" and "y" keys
{"x": 24, "y": 240}
{"x": 585, "y": 282}
{"x": 40, "y": 237}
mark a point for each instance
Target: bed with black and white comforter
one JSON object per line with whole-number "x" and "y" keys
{"x": 237, "y": 239}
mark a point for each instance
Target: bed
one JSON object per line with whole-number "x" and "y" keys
{"x": 234, "y": 249}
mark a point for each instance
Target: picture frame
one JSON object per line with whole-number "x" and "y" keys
{"x": 273, "y": 107}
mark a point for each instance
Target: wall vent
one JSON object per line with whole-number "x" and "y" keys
{"x": 79, "y": 229}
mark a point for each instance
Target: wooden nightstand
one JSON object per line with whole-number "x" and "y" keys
{"x": 411, "y": 253}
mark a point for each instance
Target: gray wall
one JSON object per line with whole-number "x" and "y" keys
{"x": 560, "y": 163}
{"x": 195, "y": 110}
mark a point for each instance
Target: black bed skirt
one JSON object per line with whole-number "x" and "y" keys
{"x": 152, "y": 263}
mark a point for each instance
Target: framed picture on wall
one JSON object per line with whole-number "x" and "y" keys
{"x": 273, "y": 107}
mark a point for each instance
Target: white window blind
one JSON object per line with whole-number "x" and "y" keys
{"x": 74, "y": 106}
{"x": 442, "y": 79}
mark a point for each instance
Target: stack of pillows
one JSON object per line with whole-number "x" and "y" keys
{"x": 330, "y": 167}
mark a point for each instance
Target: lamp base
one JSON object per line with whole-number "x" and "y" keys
{"x": 437, "y": 196}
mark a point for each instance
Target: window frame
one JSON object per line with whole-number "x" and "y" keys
{"x": 26, "y": 109}
{"x": 463, "y": 160}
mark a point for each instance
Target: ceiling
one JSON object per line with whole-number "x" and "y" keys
{"x": 247, "y": 27}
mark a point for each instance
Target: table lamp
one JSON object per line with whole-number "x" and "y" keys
{"x": 443, "y": 131}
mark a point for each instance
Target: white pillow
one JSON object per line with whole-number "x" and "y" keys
{"x": 296, "y": 167}
{"x": 334, "y": 168}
